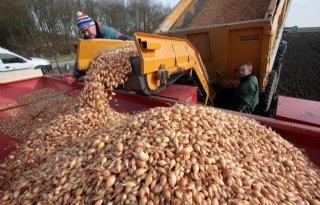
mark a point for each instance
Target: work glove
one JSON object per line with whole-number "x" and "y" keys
{"x": 71, "y": 80}
{"x": 125, "y": 37}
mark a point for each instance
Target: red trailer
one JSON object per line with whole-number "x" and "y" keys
{"x": 295, "y": 122}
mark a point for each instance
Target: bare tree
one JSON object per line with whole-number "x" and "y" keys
{"x": 16, "y": 25}
{"x": 113, "y": 13}
{"x": 49, "y": 26}
{"x": 67, "y": 26}
{"x": 145, "y": 15}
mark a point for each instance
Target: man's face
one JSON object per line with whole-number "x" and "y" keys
{"x": 244, "y": 71}
{"x": 89, "y": 32}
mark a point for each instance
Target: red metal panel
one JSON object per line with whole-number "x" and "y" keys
{"x": 180, "y": 93}
{"x": 126, "y": 103}
{"x": 122, "y": 102}
{"x": 7, "y": 144}
{"x": 13, "y": 90}
{"x": 298, "y": 110}
{"x": 303, "y": 136}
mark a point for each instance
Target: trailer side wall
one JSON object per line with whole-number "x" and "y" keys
{"x": 226, "y": 47}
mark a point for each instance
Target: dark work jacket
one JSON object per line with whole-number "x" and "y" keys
{"x": 247, "y": 94}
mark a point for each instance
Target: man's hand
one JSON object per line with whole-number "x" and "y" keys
{"x": 71, "y": 80}
{"x": 81, "y": 79}
{"x": 125, "y": 37}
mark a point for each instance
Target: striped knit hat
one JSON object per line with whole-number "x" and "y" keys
{"x": 83, "y": 20}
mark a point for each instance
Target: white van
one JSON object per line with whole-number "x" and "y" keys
{"x": 10, "y": 61}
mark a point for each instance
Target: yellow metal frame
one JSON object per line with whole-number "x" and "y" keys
{"x": 90, "y": 49}
{"x": 173, "y": 54}
{"x": 173, "y": 16}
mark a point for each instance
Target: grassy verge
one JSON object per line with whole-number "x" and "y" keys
{"x": 62, "y": 57}
{"x": 61, "y": 70}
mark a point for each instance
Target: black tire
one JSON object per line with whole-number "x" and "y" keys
{"x": 285, "y": 49}
{"x": 43, "y": 69}
{"x": 278, "y": 70}
{"x": 280, "y": 53}
{"x": 273, "y": 107}
{"x": 277, "y": 67}
{"x": 270, "y": 90}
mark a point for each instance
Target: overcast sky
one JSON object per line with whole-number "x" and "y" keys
{"x": 302, "y": 13}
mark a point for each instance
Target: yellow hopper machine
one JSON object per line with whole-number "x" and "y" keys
{"x": 162, "y": 60}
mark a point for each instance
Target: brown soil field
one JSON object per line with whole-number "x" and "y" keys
{"x": 300, "y": 75}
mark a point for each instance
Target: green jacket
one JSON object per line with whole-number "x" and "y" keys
{"x": 107, "y": 32}
{"x": 247, "y": 94}
{"x": 110, "y": 33}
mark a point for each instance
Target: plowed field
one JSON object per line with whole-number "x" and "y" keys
{"x": 300, "y": 76}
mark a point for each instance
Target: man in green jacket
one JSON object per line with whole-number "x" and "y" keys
{"x": 246, "y": 96}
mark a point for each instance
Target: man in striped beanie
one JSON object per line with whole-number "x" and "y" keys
{"x": 92, "y": 29}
